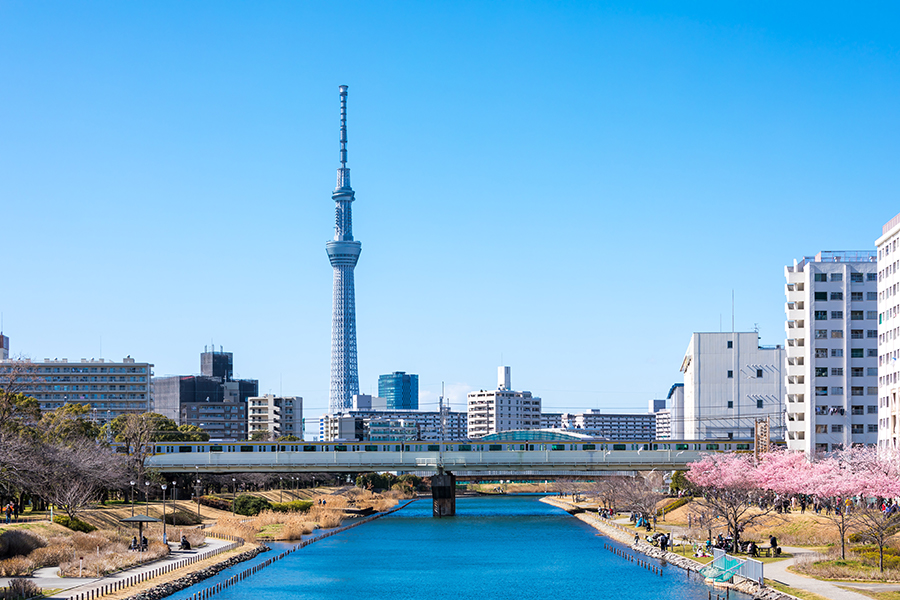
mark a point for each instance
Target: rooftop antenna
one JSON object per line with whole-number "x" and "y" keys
{"x": 343, "y": 90}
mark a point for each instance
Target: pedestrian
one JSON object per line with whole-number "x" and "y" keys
{"x": 636, "y": 538}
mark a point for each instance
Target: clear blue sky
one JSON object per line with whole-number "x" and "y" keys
{"x": 573, "y": 188}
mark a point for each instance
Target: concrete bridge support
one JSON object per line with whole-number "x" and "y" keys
{"x": 443, "y": 494}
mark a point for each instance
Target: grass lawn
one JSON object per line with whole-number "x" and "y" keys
{"x": 876, "y": 595}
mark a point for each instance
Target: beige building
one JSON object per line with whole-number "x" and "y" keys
{"x": 503, "y": 409}
{"x": 276, "y": 416}
{"x": 111, "y": 388}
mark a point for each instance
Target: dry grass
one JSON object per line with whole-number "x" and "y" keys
{"x": 17, "y": 565}
{"x": 854, "y": 567}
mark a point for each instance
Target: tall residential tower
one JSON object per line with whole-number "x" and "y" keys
{"x": 343, "y": 252}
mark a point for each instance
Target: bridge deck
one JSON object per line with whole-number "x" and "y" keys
{"x": 525, "y": 462}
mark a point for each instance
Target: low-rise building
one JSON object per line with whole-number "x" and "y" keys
{"x": 613, "y": 426}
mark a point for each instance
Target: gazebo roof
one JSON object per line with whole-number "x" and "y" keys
{"x": 141, "y": 519}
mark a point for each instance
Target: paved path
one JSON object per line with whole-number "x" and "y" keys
{"x": 777, "y": 571}
{"x": 48, "y": 578}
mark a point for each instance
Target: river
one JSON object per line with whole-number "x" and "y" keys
{"x": 496, "y": 547}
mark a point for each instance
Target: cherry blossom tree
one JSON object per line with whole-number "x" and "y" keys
{"x": 729, "y": 486}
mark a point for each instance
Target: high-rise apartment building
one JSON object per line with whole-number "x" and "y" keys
{"x": 400, "y": 390}
{"x": 888, "y": 248}
{"x": 343, "y": 253}
{"x": 4, "y": 347}
{"x": 831, "y": 365}
{"x": 275, "y": 416}
{"x": 111, "y": 388}
{"x": 493, "y": 411}
{"x": 730, "y": 382}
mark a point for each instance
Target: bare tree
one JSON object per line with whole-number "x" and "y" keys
{"x": 639, "y": 495}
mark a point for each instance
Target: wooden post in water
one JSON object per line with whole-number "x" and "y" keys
{"x": 443, "y": 493}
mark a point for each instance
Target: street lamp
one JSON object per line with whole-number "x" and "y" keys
{"x": 132, "y": 498}
{"x": 281, "y": 489}
{"x": 165, "y": 540}
{"x": 147, "y": 496}
{"x": 233, "y": 493}
{"x": 198, "y": 489}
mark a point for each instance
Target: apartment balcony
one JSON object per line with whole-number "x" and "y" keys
{"x": 795, "y": 398}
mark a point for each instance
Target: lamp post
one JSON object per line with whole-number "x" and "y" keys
{"x": 198, "y": 489}
{"x": 147, "y": 496}
{"x": 165, "y": 539}
{"x": 281, "y": 489}
{"x": 132, "y": 498}
{"x": 233, "y": 493}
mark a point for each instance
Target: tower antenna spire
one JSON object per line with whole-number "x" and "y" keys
{"x": 343, "y": 126}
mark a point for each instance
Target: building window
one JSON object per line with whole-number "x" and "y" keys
{"x": 871, "y": 314}
{"x": 730, "y": 404}
{"x": 730, "y": 344}
{"x": 857, "y": 428}
{"x": 759, "y": 403}
{"x": 837, "y": 371}
{"x": 872, "y": 390}
{"x": 871, "y": 333}
{"x": 837, "y": 314}
{"x": 856, "y": 391}
{"x": 856, "y": 315}
{"x": 872, "y": 409}
{"x": 837, "y": 391}
{"x": 871, "y": 295}
{"x": 820, "y": 296}
{"x": 872, "y": 371}
{"x": 837, "y": 352}
{"x": 856, "y": 334}
{"x": 821, "y": 352}
{"x": 822, "y": 391}
{"x": 856, "y": 352}
{"x": 871, "y": 276}
{"x": 821, "y": 371}
{"x": 837, "y": 295}
{"x": 837, "y": 429}
{"x": 759, "y": 373}
{"x": 856, "y": 277}
{"x": 856, "y": 296}
{"x": 872, "y": 353}
{"x": 856, "y": 410}
{"x": 820, "y": 277}
{"x": 837, "y": 276}
{"x": 821, "y": 315}
{"x": 837, "y": 333}
{"x": 873, "y": 428}
{"x": 730, "y": 374}
{"x": 821, "y": 429}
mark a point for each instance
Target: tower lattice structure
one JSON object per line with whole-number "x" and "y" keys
{"x": 343, "y": 252}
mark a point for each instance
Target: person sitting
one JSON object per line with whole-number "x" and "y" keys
{"x": 185, "y": 545}
{"x": 134, "y": 544}
{"x": 144, "y": 543}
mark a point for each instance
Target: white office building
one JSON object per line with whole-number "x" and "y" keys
{"x": 730, "y": 382}
{"x": 831, "y": 365}
{"x": 888, "y": 248}
{"x": 493, "y": 411}
{"x": 612, "y": 426}
{"x": 276, "y": 416}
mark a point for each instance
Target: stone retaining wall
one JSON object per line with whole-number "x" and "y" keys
{"x": 624, "y": 536}
{"x": 167, "y": 589}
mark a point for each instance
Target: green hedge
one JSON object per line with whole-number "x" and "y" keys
{"x": 183, "y": 518}
{"x": 293, "y": 506}
{"x": 674, "y": 505}
{"x": 250, "y": 506}
{"x": 74, "y": 524}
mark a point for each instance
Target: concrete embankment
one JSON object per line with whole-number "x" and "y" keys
{"x": 624, "y": 536}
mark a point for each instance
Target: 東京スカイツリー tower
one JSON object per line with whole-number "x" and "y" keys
{"x": 343, "y": 252}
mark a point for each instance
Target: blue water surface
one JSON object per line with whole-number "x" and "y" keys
{"x": 496, "y": 547}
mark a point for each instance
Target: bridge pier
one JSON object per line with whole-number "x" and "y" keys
{"x": 443, "y": 494}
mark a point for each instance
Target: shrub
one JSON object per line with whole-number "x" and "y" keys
{"x": 74, "y": 524}
{"x": 183, "y": 518}
{"x": 293, "y": 506}
{"x": 50, "y": 556}
{"x": 250, "y": 506}
{"x": 214, "y": 502}
{"x": 18, "y": 542}
{"x": 674, "y": 505}
{"x": 22, "y": 588}
{"x": 18, "y": 565}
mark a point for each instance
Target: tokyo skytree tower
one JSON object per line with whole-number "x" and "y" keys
{"x": 343, "y": 252}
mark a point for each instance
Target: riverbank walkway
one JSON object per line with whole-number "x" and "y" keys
{"x": 73, "y": 587}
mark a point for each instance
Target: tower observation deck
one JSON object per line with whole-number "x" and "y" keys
{"x": 343, "y": 252}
